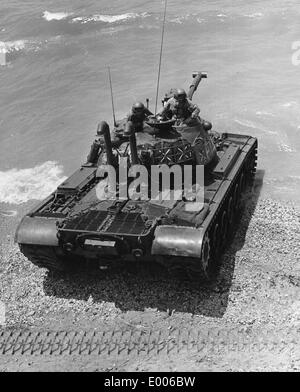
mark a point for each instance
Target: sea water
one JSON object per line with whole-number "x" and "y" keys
{"x": 54, "y": 83}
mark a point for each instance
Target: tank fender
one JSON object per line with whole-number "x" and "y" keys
{"x": 177, "y": 241}
{"x": 37, "y": 231}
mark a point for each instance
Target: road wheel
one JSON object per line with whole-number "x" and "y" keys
{"x": 207, "y": 260}
{"x": 217, "y": 240}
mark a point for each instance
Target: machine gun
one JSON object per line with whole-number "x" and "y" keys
{"x": 197, "y": 76}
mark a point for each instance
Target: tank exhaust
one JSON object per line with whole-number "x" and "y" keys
{"x": 93, "y": 156}
{"x": 133, "y": 148}
{"x": 103, "y": 130}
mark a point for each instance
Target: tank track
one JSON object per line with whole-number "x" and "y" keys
{"x": 44, "y": 257}
{"x": 133, "y": 342}
{"x": 218, "y": 235}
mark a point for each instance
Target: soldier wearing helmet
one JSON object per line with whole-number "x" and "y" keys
{"x": 136, "y": 118}
{"x": 181, "y": 108}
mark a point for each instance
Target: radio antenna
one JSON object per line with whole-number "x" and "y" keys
{"x": 112, "y": 97}
{"x": 160, "y": 56}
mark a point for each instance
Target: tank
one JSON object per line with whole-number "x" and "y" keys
{"x": 72, "y": 225}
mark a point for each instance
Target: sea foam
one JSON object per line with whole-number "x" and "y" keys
{"x": 12, "y": 46}
{"x": 289, "y": 104}
{"x": 18, "y": 186}
{"x": 108, "y": 18}
{"x": 9, "y": 49}
{"x": 255, "y": 15}
{"x": 49, "y": 16}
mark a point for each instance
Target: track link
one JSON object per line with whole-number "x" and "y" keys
{"x": 144, "y": 343}
{"x": 44, "y": 257}
{"x": 219, "y": 233}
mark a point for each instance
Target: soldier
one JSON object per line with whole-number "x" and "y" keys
{"x": 136, "y": 118}
{"x": 181, "y": 108}
{"x": 134, "y": 122}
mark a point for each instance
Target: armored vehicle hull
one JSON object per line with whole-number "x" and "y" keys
{"x": 72, "y": 225}
{"x": 105, "y": 231}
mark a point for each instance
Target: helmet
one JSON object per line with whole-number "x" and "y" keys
{"x": 138, "y": 107}
{"x": 207, "y": 125}
{"x": 180, "y": 95}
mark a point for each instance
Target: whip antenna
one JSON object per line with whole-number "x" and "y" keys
{"x": 160, "y": 56}
{"x": 112, "y": 97}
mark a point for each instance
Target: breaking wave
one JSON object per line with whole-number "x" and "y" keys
{"x": 290, "y": 104}
{"x": 56, "y": 16}
{"x": 196, "y": 17}
{"x": 264, "y": 113}
{"x": 109, "y": 18}
{"x": 255, "y": 15}
{"x": 20, "y": 186}
{"x": 49, "y": 16}
{"x": 12, "y": 46}
{"x": 9, "y": 49}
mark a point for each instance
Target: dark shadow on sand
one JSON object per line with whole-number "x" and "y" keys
{"x": 146, "y": 287}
